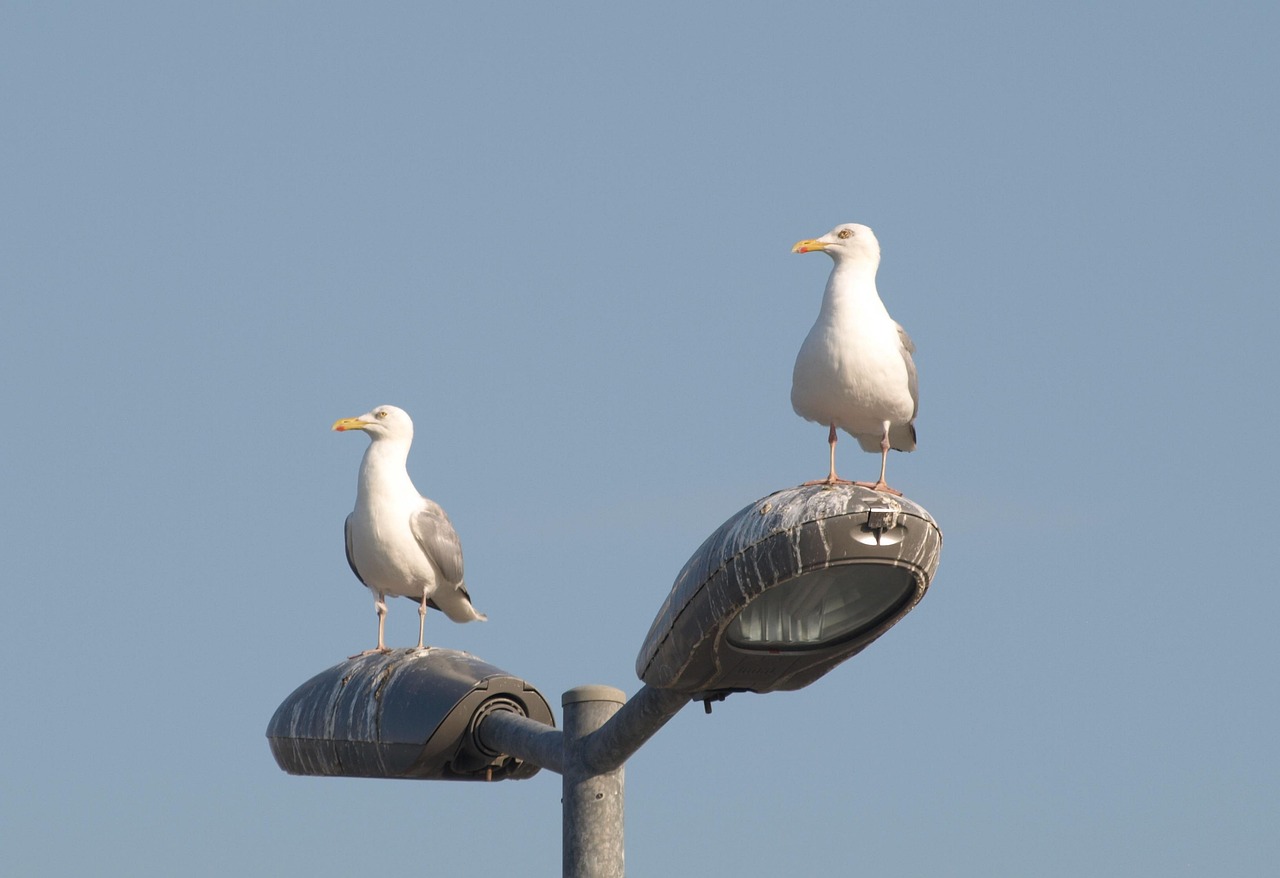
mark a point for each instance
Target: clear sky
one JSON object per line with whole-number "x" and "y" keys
{"x": 559, "y": 237}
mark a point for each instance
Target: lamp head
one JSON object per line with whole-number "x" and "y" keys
{"x": 404, "y": 714}
{"x": 788, "y": 588}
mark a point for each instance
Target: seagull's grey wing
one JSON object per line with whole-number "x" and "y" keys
{"x": 905, "y": 339}
{"x": 436, "y": 536}
{"x": 351, "y": 561}
{"x": 909, "y": 348}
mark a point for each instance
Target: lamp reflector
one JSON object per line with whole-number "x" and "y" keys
{"x": 822, "y": 607}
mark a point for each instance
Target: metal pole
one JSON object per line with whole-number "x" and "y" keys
{"x": 637, "y": 722}
{"x": 600, "y": 734}
{"x": 592, "y": 802}
{"x": 522, "y": 737}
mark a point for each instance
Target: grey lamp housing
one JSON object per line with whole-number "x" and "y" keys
{"x": 402, "y": 714}
{"x": 788, "y": 588}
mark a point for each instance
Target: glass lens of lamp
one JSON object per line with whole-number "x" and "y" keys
{"x": 822, "y": 607}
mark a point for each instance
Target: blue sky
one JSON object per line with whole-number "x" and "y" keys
{"x": 560, "y": 239}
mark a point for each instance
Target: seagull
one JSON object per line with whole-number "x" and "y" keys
{"x": 400, "y": 543}
{"x": 854, "y": 370}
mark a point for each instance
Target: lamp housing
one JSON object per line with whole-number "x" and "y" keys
{"x": 788, "y": 588}
{"x": 406, "y": 713}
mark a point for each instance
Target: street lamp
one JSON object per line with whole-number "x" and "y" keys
{"x": 403, "y": 714}
{"x": 781, "y": 593}
{"x": 788, "y": 588}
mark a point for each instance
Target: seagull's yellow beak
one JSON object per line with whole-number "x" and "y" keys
{"x": 808, "y": 246}
{"x": 349, "y": 424}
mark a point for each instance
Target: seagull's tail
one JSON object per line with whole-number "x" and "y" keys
{"x": 456, "y": 604}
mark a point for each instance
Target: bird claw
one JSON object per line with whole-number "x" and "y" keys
{"x": 828, "y": 481}
{"x": 377, "y": 650}
{"x": 879, "y": 487}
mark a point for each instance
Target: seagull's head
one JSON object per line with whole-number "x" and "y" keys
{"x": 384, "y": 422}
{"x": 848, "y": 241}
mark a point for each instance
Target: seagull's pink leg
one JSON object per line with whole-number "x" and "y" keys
{"x": 379, "y": 604}
{"x": 884, "y": 460}
{"x": 422, "y": 618}
{"x": 831, "y": 477}
{"x": 831, "y": 440}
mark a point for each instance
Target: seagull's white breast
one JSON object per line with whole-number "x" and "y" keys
{"x": 851, "y": 370}
{"x": 386, "y": 552}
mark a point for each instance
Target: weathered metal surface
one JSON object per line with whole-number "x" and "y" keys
{"x": 592, "y": 801}
{"x": 626, "y": 731}
{"x": 402, "y": 714}
{"x": 504, "y": 732}
{"x": 793, "y": 531}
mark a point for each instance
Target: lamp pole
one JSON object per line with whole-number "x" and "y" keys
{"x": 592, "y": 801}
{"x": 600, "y": 734}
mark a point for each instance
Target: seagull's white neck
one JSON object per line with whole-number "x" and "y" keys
{"x": 384, "y": 467}
{"x": 852, "y": 285}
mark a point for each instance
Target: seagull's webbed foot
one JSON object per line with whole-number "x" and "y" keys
{"x": 879, "y": 487}
{"x": 377, "y": 650}
{"x": 829, "y": 480}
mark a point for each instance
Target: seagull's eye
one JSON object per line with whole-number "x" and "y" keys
{"x": 380, "y": 415}
{"x": 845, "y": 233}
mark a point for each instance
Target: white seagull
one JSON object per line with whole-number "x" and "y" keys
{"x": 854, "y": 370}
{"x": 400, "y": 543}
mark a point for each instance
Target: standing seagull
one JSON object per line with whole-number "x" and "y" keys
{"x": 854, "y": 370}
{"x": 399, "y": 542}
